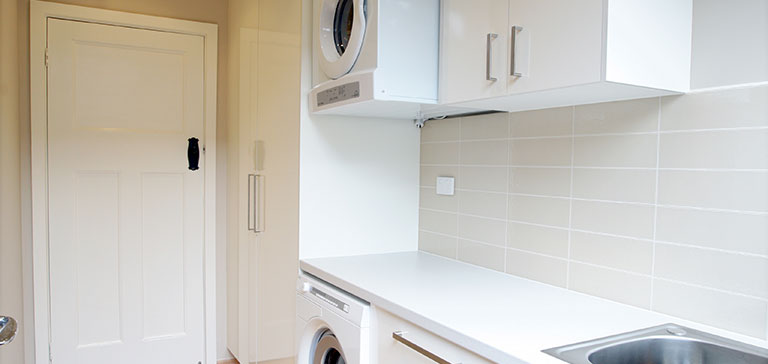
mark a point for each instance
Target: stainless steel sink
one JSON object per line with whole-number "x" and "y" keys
{"x": 665, "y": 344}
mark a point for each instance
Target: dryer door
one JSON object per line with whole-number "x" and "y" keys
{"x": 341, "y": 29}
{"x": 328, "y": 350}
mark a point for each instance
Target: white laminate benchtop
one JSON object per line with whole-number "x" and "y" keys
{"x": 501, "y": 317}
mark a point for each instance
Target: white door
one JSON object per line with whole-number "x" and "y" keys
{"x": 125, "y": 212}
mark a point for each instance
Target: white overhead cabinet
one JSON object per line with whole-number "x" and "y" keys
{"x": 516, "y": 55}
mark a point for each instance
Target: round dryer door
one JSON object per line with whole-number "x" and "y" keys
{"x": 327, "y": 349}
{"x": 341, "y": 33}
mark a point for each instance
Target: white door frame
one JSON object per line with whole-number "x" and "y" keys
{"x": 40, "y": 11}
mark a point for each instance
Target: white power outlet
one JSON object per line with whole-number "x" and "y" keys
{"x": 444, "y": 186}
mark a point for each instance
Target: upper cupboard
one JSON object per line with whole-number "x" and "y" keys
{"x": 526, "y": 54}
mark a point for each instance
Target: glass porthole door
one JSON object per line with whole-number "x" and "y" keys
{"x": 341, "y": 33}
{"x": 328, "y": 350}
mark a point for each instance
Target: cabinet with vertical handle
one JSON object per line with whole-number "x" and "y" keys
{"x": 514, "y": 55}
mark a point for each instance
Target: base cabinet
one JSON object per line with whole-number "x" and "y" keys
{"x": 424, "y": 344}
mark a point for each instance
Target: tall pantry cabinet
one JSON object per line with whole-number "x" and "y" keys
{"x": 263, "y": 173}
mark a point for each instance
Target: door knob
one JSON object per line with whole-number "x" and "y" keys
{"x": 7, "y": 329}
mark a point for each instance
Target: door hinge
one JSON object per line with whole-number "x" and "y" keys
{"x": 46, "y": 57}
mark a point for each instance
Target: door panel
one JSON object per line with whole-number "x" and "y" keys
{"x": 125, "y": 213}
{"x": 464, "y": 49}
{"x": 561, "y": 43}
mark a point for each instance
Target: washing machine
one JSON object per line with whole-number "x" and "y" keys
{"x": 332, "y": 326}
{"x": 372, "y": 55}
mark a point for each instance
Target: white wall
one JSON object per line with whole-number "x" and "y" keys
{"x": 730, "y": 42}
{"x": 10, "y": 199}
{"x": 359, "y": 178}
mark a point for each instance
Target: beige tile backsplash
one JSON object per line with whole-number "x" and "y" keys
{"x": 659, "y": 203}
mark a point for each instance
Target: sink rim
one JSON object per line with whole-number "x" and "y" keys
{"x": 579, "y": 353}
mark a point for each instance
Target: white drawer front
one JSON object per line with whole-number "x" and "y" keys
{"x": 393, "y": 351}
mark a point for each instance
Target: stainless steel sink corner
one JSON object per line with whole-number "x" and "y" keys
{"x": 664, "y": 344}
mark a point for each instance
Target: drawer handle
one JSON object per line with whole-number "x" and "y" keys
{"x": 400, "y": 336}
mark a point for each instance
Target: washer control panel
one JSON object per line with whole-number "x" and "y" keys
{"x": 333, "y": 301}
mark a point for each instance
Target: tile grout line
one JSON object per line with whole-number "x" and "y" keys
{"x": 593, "y": 135}
{"x": 506, "y": 198}
{"x": 609, "y": 168}
{"x": 570, "y": 200}
{"x": 458, "y": 198}
{"x": 635, "y": 203}
{"x": 655, "y": 204}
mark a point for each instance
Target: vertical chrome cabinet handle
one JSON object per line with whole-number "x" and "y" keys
{"x": 252, "y": 202}
{"x": 489, "y": 55}
{"x": 400, "y": 337}
{"x": 8, "y": 328}
{"x": 255, "y": 208}
{"x": 513, "y": 51}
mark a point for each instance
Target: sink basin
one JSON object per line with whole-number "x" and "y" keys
{"x": 665, "y": 344}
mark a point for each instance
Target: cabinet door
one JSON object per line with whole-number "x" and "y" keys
{"x": 392, "y": 351}
{"x": 558, "y": 43}
{"x": 469, "y": 60}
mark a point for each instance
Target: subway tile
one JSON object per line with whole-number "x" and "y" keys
{"x": 538, "y": 239}
{"x": 440, "y": 153}
{"x": 539, "y": 210}
{"x": 440, "y": 130}
{"x": 745, "y": 107}
{"x": 482, "y": 229}
{"x": 613, "y": 218}
{"x": 627, "y": 185}
{"x": 537, "y": 267}
{"x": 727, "y": 271}
{"x": 738, "y": 232}
{"x": 438, "y": 222}
{"x": 429, "y": 199}
{"x": 489, "y": 152}
{"x": 429, "y": 174}
{"x": 636, "y": 151}
{"x": 488, "y": 126}
{"x": 620, "y": 253}
{"x": 731, "y": 312}
{"x": 540, "y": 181}
{"x": 485, "y": 204}
{"x": 483, "y": 178}
{"x": 745, "y": 149}
{"x": 481, "y": 254}
{"x": 617, "y": 117}
{"x": 438, "y": 244}
{"x": 611, "y": 284}
{"x": 730, "y": 190}
{"x": 540, "y": 152}
{"x": 547, "y": 122}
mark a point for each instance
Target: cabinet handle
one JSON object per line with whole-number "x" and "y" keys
{"x": 489, "y": 55}
{"x": 513, "y": 50}
{"x": 255, "y": 213}
{"x": 400, "y": 336}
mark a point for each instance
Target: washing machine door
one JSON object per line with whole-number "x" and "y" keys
{"x": 328, "y": 349}
{"x": 341, "y": 33}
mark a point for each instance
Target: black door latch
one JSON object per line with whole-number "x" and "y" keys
{"x": 193, "y": 154}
